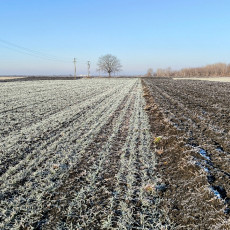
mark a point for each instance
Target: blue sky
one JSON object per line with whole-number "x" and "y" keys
{"x": 141, "y": 33}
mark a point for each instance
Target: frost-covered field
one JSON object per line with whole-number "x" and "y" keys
{"x": 76, "y": 155}
{"x": 9, "y": 78}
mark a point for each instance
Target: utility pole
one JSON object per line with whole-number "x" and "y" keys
{"x": 88, "y": 69}
{"x": 74, "y": 61}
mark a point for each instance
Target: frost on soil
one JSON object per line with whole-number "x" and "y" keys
{"x": 76, "y": 155}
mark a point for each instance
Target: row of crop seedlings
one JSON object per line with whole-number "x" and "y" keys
{"x": 38, "y": 132}
{"x": 44, "y": 112}
{"x": 23, "y": 95}
{"x": 79, "y": 206}
{"x": 120, "y": 177}
{"x": 35, "y": 110}
{"x": 12, "y": 148}
{"x": 26, "y": 96}
{"x": 147, "y": 216}
{"x": 39, "y": 173}
{"x": 128, "y": 218}
{"x": 53, "y": 102}
{"x": 38, "y": 90}
{"x": 83, "y": 119}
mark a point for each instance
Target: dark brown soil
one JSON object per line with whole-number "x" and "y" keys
{"x": 193, "y": 154}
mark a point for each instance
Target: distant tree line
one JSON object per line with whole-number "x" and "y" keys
{"x": 217, "y": 69}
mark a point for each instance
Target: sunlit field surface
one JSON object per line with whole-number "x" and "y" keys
{"x": 119, "y": 153}
{"x": 193, "y": 156}
{"x": 9, "y": 78}
{"x": 219, "y": 79}
{"x": 76, "y": 155}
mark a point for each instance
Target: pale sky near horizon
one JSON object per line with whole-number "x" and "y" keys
{"x": 42, "y": 37}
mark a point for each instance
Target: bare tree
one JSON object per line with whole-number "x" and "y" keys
{"x": 217, "y": 69}
{"x": 109, "y": 64}
{"x": 149, "y": 72}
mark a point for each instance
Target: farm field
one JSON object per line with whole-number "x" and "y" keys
{"x": 9, "y": 78}
{"x": 193, "y": 157}
{"x": 114, "y": 154}
{"x": 76, "y": 155}
{"x": 218, "y": 79}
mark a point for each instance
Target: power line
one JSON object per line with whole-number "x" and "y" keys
{"x": 33, "y": 55}
{"x": 38, "y": 54}
{"x": 30, "y": 52}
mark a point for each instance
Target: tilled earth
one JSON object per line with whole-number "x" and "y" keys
{"x": 77, "y": 155}
{"x": 114, "y": 154}
{"x": 193, "y": 151}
